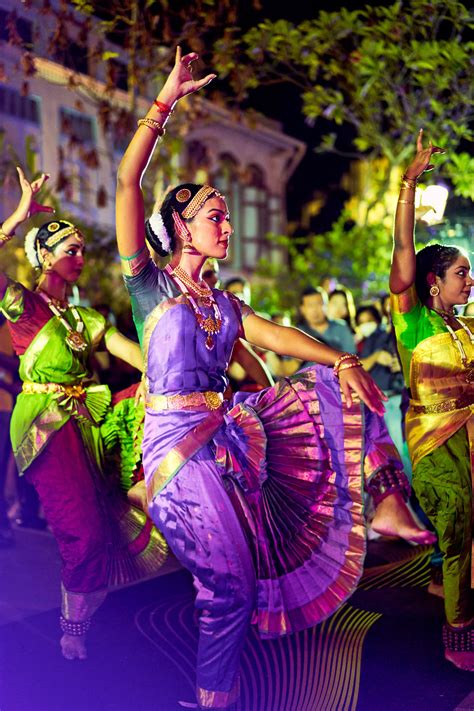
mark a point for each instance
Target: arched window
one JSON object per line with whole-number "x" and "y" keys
{"x": 227, "y": 180}
{"x": 255, "y": 216}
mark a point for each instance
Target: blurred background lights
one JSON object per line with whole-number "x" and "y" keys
{"x": 430, "y": 203}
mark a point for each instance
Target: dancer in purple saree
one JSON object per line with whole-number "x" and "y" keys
{"x": 261, "y": 497}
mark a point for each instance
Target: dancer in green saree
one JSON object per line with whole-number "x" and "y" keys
{"x": 55, "y": 425}
{"x": 436, "y": 347}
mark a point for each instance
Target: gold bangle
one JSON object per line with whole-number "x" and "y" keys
{"x": 408, "y": 182}
{"x": 407, "y": 202}
{"x": 4, "y": 238}
{"x": 151, "y": 123}
{"x": 346, "y": 366}
{"x": 341, "y": 361}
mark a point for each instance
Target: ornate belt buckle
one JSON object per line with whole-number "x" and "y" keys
{"x": 213, "y": 400}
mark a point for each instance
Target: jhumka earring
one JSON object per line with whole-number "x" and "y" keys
{"x": 434, "y": 290}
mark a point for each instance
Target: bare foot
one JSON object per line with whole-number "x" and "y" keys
{"x": 73, "y": 646}
{"x": 436, "y": 589}
{"x": 461, "y": 660}
{"x": 394, "y": 518}
{"x": 137, "y": 496}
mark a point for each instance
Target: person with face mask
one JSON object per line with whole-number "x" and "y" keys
{"x": 379, "y": 356}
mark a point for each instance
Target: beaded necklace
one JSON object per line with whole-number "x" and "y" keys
{"x": 467, "y": 363}
{"x": 74, "y": 336}
{"x": 211, "y": 325}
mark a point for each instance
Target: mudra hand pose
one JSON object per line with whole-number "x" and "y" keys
{"x": 437, "y": 351}
{"x": 260, "y": 497}
{"x": 55, "y": 426}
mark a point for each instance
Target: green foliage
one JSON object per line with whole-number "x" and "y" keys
{"x": 386, "y": 71}
{"x": 358, "y": 257}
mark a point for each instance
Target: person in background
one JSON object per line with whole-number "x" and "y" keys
{"x": 315, "y": 322}
{"x": 341, "y": 306}
{"x": 377, "y": 352}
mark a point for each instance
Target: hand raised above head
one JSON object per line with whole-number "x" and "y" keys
{"x": 422, "y": 161}
{"x": 27, "y": 207}
{"x": 180, "y": 81}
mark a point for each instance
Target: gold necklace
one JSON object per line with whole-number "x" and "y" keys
{"x": 467, "y": 363}
{"x": 212, "y": 324}
{"x": 74, "y": 336}
{"x": 198, "y": 289}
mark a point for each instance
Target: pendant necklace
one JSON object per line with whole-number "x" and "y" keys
{"x": 74, "y": 336}
{"x": 212, "y": 324}
{"x": 467, "y": 363}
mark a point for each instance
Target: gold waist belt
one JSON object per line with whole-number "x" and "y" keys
{"x": 208, "y": 400}
{"x": 448, "y": 405}
{"x": 77, "y": 390}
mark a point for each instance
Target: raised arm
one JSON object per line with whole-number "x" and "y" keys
{"x": 26, "y": 208}
{"x": 130, "y": 216}
{"x": 403, "y": 269}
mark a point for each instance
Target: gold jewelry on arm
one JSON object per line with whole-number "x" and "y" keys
{"x": 406, "y": 202}
{"x": 346, "y": 360}
{"x": 408, "y": 183}
{"x": 4, "y": 238}
{"x": 153, "y": 124}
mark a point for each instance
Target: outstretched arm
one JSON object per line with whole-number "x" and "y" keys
{"x": 27, "y": 207}
{"x": 289, "y": 341}
{"x": 403, "y": 269}
{"x": 130, "y": 214}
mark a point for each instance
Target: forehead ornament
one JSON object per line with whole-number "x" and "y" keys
{"x": 59, "y": 236}
{"x": 183, "y": 195}
{"x": 53, "y": 227}
{"x": 198, "y": 201}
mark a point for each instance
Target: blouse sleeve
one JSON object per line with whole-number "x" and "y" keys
{"x": 12, "y": 304}
{"x": 241, "y": 309}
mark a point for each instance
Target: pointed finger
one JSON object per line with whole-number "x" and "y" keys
{"x": 177, "y": 59}
{"x": 207, "y": 80}
{"x": 419, "y": 140}
{"x": 21, "y": 175}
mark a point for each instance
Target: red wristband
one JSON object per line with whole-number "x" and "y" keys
{"x": 164, "y": 108}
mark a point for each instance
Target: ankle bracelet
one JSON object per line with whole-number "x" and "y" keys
{"x": 75, "y": 629}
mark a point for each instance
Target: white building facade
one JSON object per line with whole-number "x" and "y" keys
{"x": 55, "y": 115}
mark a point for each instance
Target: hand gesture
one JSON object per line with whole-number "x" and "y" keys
{"x": 180, "y": 81}
{"x": 422, "y": 161}
{"x": 359, "y": 381}
{"x": 27, "y": 207}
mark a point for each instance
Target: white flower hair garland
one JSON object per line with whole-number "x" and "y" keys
{"x": 159, "y": 230}
{"x": 30, "y": 248}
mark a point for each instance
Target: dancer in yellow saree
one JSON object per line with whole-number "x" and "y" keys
{"x": 436, "y": 347}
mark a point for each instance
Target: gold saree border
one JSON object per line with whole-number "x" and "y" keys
{"x": 218, "y": 699}
{"x": 177, "y": 457}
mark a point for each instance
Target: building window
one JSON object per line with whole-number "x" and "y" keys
{"x": 77, "y": 156}
{"x": 25, "y": 108}
{"x": 77, "y": 126}
{"x": 255, "y": 217}
{"x": 227, "y": 181}
{"x": 15, "y": 29}
{"x": 73, "y": 56}
{"x": 118, "y": 74}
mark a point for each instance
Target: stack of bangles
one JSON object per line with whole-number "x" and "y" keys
{"x": 153, "y": 123}
{"x": 345, "y": 361}
{"x": 407, "y": 184}
{"x": 4, "y": 238}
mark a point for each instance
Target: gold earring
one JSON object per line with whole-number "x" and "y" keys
{"x": 434, "y": 290}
